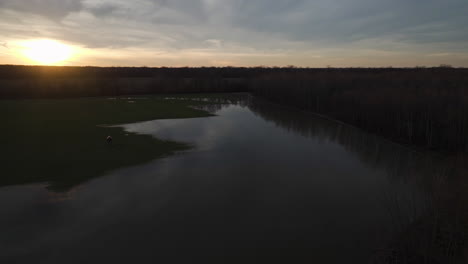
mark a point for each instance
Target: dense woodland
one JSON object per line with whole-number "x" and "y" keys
{"x": 424, "y": 107}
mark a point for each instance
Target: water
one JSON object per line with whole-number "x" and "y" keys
{"x": 262, "y": 184}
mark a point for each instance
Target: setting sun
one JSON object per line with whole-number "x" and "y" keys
{"x": 47, "y": 52}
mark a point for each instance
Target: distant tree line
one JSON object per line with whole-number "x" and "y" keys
{"x": 41, "y": 72}
{"x": 60, "y": 82}
{"x": 38, "y": 72}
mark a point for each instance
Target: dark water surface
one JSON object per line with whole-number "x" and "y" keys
{"x": 263, "y": 184}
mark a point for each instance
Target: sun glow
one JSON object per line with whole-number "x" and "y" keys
{"x": 47, "y": 52}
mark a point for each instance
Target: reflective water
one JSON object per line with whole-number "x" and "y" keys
{"x": 262, "y": 184}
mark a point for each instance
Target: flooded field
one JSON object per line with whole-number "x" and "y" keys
{"x": 261, "y": 183}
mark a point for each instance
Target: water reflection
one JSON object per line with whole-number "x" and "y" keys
{"x": 428, "y": 219}
{"x": 262, "y": 184}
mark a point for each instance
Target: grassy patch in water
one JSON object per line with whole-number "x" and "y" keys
{"x": 62, "y": 142}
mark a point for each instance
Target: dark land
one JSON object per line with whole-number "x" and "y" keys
{"x": 422, "y": 107}
{"x": 56, "y": 119}
{"x": 63, "y": 142}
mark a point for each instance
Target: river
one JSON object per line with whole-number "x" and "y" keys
{"x": 262, "y": 184}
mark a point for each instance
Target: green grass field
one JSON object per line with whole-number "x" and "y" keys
{"x": 62, "y": 142}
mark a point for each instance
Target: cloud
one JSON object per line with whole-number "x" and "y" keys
{"x": 318, "y": 28}
{"x": 53, "y": 9}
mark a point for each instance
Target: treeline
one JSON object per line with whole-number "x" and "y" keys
{"x": 87, "y": 87}
{"x": 40, "y": 72}
{"x": 59, "y": 82}
{"x": 56, "y": 82}
{"x": 420, "y": 107}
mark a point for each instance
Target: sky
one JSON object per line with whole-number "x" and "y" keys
{"x": 305, "y": 33}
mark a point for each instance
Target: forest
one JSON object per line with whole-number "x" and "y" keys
{"x": 426, "y": 108}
